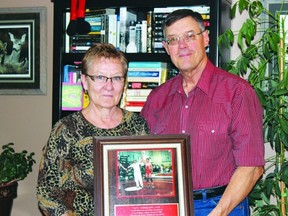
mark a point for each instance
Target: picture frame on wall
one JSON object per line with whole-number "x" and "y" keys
{"x": 141, "y": 175}
{"x": 23, "y": 50}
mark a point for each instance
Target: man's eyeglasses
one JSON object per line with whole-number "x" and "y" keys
{"x": 104, "y": 79}
{"x": 187, "y": 37}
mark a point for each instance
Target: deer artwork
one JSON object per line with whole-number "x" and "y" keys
{"x": 15, "y": 54}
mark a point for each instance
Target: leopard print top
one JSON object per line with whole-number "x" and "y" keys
{"x": 65, "y": 181}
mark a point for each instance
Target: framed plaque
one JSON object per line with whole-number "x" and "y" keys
{"x": 143, "y": 175}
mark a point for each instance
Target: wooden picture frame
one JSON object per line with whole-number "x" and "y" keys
{"x": 23, "y": 50}
{"x": 118, "y": 190}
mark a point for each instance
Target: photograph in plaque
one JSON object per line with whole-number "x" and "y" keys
{"x": 143, "y": 175}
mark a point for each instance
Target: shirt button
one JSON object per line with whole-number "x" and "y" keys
{"x": 213, "y": 131}
{"x": 186, "y": 106}
{"x": 183, "y": 131}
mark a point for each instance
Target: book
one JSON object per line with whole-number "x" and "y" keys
{"x": 134, "y": 108}
{"x": 112, "y": 29}
{"x": 144, "y": 76}
{"x": 136, "y": 98}
{"x": 138, "y": 92}
{"x": 67, "y": 38}
{"x": 71, "y": 96}
{"x": 71, "y": 73}
{"x": 94, "y": 12}
{"x": 94, "y": 19}
{"x": 138, "y": 37}
{"x": 118, "y": 33}
{"x": 144, "y": 36}
{"x": 135, "y": 103}
{"x": 149, "y": 31}
{"x": 131, "y": 46}
{"x": 147, "y": 72}
{"x": 142, "y": 85}
{"x": 160, "y": 14}
{"x": 125, "y": 17}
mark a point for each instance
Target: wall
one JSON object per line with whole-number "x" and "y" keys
{"x": 26, "y": 119}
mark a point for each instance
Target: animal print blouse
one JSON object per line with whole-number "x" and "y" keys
{"x": 65, "y": 181}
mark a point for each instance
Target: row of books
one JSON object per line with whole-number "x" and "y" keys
{"x": 128, "y": 30}
{"x": 73, "y": 96}
{"x": 142, "y": 77}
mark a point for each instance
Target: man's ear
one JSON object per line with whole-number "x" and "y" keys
{"x": 165, "y": 45}
{"x": 206, "y": 38}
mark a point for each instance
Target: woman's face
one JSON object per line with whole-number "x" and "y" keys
{"x": 107, "y": 94}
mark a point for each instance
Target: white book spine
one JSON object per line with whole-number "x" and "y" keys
{"x": 133, "y": 108}
{"x": 67, "y": 38}
{"x": 136, "y": 98}
{"x": 112, "y": 25}
{"x": 144, "y": 36}
{"x": 118, "y": 33}
{"x": 138, "y": 92}
{"x": 122, "y": 32}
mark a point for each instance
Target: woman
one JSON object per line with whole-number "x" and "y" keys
{"x": 65, "y": 182}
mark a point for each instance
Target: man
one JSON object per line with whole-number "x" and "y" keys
{"x": 137, "y": 173}
{"x": 219, "y": 110}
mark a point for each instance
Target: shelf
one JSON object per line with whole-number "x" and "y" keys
{"x": 133, "y": 3}
{"x": 69, "y": 58}
{"x": 219, "y": 21}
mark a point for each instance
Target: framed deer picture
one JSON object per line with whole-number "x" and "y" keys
{"x": 22, "y": 46}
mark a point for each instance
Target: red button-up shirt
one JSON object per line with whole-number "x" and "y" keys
{"x": 223, "y": 116}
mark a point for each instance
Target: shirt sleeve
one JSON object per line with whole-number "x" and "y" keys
{"x": 247, "y": 129}
{"x": 51, "y": 192}
{"x": 57, "y": 191}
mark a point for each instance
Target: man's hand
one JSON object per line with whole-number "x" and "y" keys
{"x": 240, "y": 185}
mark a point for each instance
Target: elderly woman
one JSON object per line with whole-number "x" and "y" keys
{"x": 65, "y": 181}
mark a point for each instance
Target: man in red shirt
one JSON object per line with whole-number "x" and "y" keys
{"x": 219, "y": 110}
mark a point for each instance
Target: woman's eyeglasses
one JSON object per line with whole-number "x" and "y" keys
{"x": 104, "y": 79}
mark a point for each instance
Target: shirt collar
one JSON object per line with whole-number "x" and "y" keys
{"x": 203, "y": 83}
{"x": 176, "y": 85}
{"x": 206, "y": 77}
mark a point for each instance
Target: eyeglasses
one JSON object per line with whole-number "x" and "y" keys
{"x": 104, "y": 79}
{"x": 187, "y": 37}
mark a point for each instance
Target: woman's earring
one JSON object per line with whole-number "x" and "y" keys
{"x": 86, "y": 91}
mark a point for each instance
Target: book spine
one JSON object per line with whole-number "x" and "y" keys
{"x": 144, "y": 36}
{"x": 135, "y": 103}
{"x": 123, "y": 15}
{"x": 118, "y": 33}
{"x": 144, "y": 79}
{"x": 138, "y": 36}
{"x": 138, "y": 92}
{"x": 142, "y": 85}
{"x": 104, "y": 29}
{"x": 149, "y": 31}
{"x": 67, "y": 38}
{"x": 112, "y": 29}
{"x": 133, "y": 108}
{"x": 148, "y": 64}
{"x": 100, "y": 11}
{"x": 136, "y": 98}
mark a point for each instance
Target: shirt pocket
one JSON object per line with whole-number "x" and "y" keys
{"x": 212, "y": 128}
{"x": 213, "y": 139}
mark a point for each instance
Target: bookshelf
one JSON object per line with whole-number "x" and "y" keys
{"x": 219, "y": 21}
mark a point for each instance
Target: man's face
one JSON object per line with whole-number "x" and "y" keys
{"x": 186, "y": 55}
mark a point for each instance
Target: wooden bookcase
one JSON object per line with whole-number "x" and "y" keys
{"x": 219, "y": 21}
